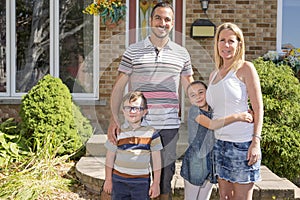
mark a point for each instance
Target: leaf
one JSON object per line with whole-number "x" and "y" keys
{"x": 14, "y": 149}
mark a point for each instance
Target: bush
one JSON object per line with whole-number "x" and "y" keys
{"x": 281, "y": 128}
{"x": 48, "y": 109}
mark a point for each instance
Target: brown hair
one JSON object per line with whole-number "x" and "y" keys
{"x": 133, "y": 96}
{"x": 195, "y": 83}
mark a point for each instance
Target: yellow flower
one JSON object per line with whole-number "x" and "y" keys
{"x": 114, "y": 10}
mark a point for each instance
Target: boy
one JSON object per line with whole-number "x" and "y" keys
{"x": 127, "y": 171}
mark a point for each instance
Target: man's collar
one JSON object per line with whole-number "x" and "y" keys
{"x": 148, "y": 43}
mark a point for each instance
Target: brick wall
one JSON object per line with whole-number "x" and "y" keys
{"x": 9, "y": 111}
{"x": 256, "y": 18}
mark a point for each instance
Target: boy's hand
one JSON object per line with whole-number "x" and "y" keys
{"x": 107, "y": 187}
{"x": 154, "y": 190}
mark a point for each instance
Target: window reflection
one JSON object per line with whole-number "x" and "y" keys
{"x": 2, "y": 47}
{"x": 290, "y": 24}
{"x": 32, "y": 42}
{"x": 74, "y": 71}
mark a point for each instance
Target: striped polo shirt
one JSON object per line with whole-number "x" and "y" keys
{"x": 157, "y": 75}
{"x": 133, "y": 151}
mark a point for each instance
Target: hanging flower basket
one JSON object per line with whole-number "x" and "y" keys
{"x": 112, "y": 12}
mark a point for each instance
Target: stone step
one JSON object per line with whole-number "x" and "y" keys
{"x": 91, "y": 172}
{"x": 95, "y": 145}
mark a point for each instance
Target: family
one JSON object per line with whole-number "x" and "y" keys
{"x": 224, "y": 132}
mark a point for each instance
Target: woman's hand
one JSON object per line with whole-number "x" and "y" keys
{"x": 254, "y": 151}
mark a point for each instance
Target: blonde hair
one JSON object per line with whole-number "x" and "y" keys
{"x": 239, "y": 57}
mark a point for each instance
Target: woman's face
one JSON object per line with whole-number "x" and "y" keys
{"x": 227, "y": 44}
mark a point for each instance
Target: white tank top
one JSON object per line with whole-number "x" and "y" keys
{"x": 226, "y": 97}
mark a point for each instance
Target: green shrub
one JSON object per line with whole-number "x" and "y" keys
{"x": 48, "y": 109}
{"x": 281, "y": 128}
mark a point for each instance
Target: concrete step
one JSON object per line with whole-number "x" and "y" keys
{"x": 91, "y": 172}
{"x": 95, "y": 145}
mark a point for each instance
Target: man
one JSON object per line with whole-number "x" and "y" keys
{"x": 155, "y": 66}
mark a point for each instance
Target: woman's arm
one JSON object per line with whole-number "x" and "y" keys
{"x": 249, "y": 75}
{"x": 220, "y": 122}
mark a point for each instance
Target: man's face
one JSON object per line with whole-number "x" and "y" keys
{"x": 162, "y": 22}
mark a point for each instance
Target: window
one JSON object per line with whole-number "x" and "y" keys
{"x": 40, "y": 37}
{"x": 288, "y": 24}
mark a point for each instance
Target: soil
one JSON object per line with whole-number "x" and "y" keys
{"x": 78, "y": 191}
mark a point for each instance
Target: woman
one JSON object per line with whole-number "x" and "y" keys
{"x": 237, "y": 149}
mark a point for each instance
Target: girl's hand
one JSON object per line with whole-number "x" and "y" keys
{"x": 246, "y": 117}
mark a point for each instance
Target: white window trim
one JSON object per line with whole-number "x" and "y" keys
{"x": 279, "y": 26}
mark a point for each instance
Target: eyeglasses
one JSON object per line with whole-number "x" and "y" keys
{"x": 133, "y": 109}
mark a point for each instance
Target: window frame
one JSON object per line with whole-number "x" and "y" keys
{"x": 279, "y": 33}
{"x": 10, "y": 23}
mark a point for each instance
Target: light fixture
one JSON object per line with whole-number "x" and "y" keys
{"x": 203, "y": 28}
{"x": 204, "y": 5}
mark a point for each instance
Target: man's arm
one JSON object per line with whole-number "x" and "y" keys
{"x": 115, "y": 102}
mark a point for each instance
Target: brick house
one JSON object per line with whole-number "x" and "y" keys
{"x": 259, "y": 20}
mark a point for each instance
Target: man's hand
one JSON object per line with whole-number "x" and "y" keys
{"x": 113, "y": 131}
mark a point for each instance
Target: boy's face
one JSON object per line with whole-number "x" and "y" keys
{"x": 134, "y": 111}
{"x": 197, "y": 95}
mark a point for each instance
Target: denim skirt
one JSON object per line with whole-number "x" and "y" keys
{"x": 231, "y": 162}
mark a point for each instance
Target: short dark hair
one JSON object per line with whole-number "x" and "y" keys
{"x": 133, "y": 96}
{"x": 194, "y": 83}
{"x": 165, "y": 4}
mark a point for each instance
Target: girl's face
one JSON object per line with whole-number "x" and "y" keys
{"x": 197, "y": 95}
{"x": 134, "y": 111}
{"x": 227, "y": 44}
